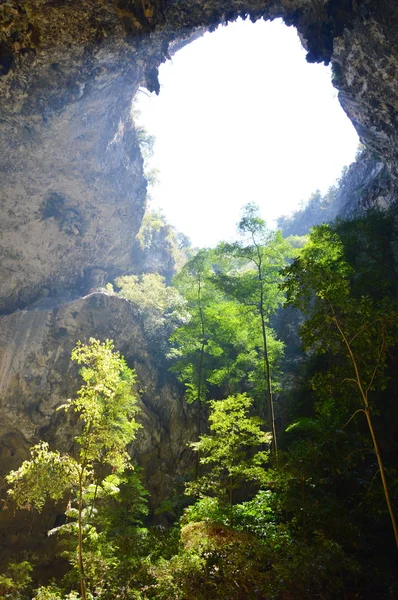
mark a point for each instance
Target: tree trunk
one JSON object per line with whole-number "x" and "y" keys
{"x": 267, "y": 377}
{"x": 364, "y": 394}
{"x": 266, "y": 366}
{"x": 231, "y": 502}
{"x": 80, "y": 541}
{"x": 382, "y": 474}
{"x": 200, "y": 372}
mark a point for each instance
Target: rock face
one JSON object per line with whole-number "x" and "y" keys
{"x": 72, "y": 186}
{"x": 365, "y": 185}
{"x": 365, "y": 62}
{"x": 37, "y": 375}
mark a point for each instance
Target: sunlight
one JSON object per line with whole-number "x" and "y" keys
{"x": 242, "y": 117}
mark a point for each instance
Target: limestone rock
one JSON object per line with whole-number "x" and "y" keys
{"x": 366, "y": 185}
{"x": 37, "y": 376}
{"x": 366, "y": 73}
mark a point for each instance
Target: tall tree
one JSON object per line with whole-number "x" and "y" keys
{"x": 106, "y": 405}
{"x": 230, "y": 450}
{"x": 218, "y": 350}
{"x": 253, "y": 281}
{"x": 358, "y": 329}
{"x": 192, "y": 338}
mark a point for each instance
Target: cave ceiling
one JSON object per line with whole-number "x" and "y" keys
{"x": 73, "y": 192}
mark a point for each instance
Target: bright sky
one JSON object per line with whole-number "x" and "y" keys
{"x": 242, "y": 117}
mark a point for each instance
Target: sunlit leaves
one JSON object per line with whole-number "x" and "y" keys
{"x": 152, "y": 296}
{"x": 252, "y": 264}
{"x": 106, "y": 404}
{"x": 232, "y": 451}
{"x": 222, "y": 345}
{"x": 46, "y": 475}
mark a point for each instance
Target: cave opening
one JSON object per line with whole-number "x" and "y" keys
{"x": 73, "y": 199}
{"x": 242, "y": 117}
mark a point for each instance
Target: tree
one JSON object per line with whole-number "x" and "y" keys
{"x": 360, "y": 330}
{"x": 191, "y": 339}
{"x": 229, "y": 450}
{"x": 106, "y": 405}
{"x": 259, "y": 255}
{"x": 161, "y": 306}
{"x": 218, "y": 350}
{"x": 16, "y": 580}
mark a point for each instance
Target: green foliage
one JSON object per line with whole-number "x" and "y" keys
{"x": 253, "y": 270}
{"x": 121, "y": 511}
{"x": 192, "y": 338}
{"x": 358, "y": 330}
{"x": 206, "y": 507}
{"x": 231, "y": 451}
{"x": 320, "y": 283}
{"x": 152, "y": 223}
{"x": 161, "y": 306}
{"x": 106, "y": 406}
{"x": 317, "y": 570}
{"x": 46, "y": 475}
{"x": 16, "y": 581}
{"x": 319, "y": 208}
{"x": 297, "y": 241}
{"x": 252, "y": 280}
{"x": 220, "y": 562}
{"x": 229, "y": 352}
{"x": 217, "y": 562}
{"x": 220, "y": 349}
{"x": 178, "y": 578}
{"x": 255, "y": 516}
{"x": 53, "y": 592}
{"x": 311, "y": 524}
{"x": 371, "y": 248}
{"x": 146, "y": 142}
{"x": 157, "y": 235}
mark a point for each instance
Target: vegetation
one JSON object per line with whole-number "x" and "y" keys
{"x": 106, "y": 406}
{"x": 358, "y": 329}
{"x": 318, "y": 208}
{"x": 229, "y": 451}
{"x": 261, "y": 254}
{"x": 315, "y": 520}
{"x": 158, "y": 237}
{"x": 161, "y": 307}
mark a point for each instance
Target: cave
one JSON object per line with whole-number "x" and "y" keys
{"x": 66, "y": 128}
{"x": 73, "y": 191}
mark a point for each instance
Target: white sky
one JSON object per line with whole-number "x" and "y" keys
{"x": 242, "y": 117}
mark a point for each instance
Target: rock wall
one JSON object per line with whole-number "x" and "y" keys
{"x": 37, "y": 375}
{"x": 367, "y": 184}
